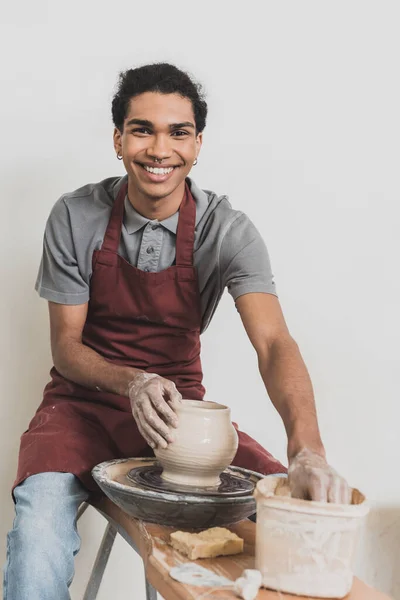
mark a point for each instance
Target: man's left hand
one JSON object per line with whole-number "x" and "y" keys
{"x": 311, "y": 478}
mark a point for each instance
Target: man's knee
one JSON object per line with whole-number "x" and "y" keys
{"x": 45, "y": 516}
{"x": 33, "y": 542}
{"x": 52, "y": 491}
{"x": 43, "y": 541}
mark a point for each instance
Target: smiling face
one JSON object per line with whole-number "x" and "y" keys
{"x": 158, "y": 143}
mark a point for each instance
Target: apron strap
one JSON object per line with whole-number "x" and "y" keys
{"x": 114, "y": 227}
{"x": 186, "y": 230}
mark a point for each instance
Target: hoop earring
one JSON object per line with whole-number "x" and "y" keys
{"x": 195, "y": 162}
{"x": 118, "y": 156}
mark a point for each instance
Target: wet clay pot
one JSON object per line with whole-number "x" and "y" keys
{"x": 205, "y": 443}
{"x": 304, "y": 547}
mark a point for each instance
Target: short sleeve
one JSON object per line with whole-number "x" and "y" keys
{"x": 245, "y": 266}
{"x": 60, "y": 279}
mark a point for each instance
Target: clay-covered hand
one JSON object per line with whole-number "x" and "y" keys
{"x": 152, "y": 400}
{"x": 312, "y": 478}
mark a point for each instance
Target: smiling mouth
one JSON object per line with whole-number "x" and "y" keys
{"x": 159, "y": 170}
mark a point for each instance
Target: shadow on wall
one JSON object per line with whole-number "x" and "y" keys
{"x": 25, "y": 351}
{"x": 379, "y": 557}
{"x": 26, "y": 361}
{"x": 28, "y": 358}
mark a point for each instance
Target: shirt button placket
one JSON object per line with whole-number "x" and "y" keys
{"x": 150, "y": 247}
{"x": 156, "y": 246}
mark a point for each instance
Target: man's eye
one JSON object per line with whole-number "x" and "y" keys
{"x": 140, "y": 130}
{"x": 145, "y": 130}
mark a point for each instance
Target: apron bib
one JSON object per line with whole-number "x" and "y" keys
{"x": 150, "y": 321}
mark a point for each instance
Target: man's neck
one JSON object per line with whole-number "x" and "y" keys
{"x": 154, "y": 208}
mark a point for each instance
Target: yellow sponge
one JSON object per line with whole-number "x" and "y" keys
{"x": 216, "y": 541}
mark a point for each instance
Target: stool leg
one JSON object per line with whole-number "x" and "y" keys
{"x": 100, "y": 563}
{"x": 83, "y": 507}
{"x": 151, "y": 592}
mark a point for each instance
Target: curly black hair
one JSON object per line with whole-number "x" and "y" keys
{"x": 163, "y": 78}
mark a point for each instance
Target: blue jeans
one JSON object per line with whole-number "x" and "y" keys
{"x": 44, "y": 540}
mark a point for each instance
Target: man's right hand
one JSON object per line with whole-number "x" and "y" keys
{"x": 153, "y": 399}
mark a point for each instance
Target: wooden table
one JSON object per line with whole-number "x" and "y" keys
{"x": 150, "y": 541}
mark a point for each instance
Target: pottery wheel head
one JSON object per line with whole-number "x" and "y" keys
{"x": 150, "y": 477}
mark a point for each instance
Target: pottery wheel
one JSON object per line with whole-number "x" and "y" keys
{"x": 150, "y": 477}
{"x": 183, "y": 509}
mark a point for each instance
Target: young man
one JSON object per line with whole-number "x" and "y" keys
{"x": 133, "y": 269}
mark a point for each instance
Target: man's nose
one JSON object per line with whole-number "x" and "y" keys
{"x": 161, "y": 147}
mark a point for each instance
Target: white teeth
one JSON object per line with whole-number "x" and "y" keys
{"x": 159, "y": 170}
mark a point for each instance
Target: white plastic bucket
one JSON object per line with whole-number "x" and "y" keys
{"x": 303, "y": 547}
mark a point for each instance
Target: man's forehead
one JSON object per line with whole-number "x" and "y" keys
{"x": 165, "y": 108}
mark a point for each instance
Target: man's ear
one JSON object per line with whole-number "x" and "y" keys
{"x": 117, "y": 135}
{"x": 199, "y": 142}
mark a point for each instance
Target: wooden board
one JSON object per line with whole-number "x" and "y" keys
{"x": 158, "y": 557}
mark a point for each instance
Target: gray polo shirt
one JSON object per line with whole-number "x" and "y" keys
{"x": 228, "y": 250}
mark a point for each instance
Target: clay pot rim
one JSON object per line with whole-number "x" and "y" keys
{"x": 205, "y": 405}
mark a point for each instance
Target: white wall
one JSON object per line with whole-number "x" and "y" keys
{"x": 303, "y": 134}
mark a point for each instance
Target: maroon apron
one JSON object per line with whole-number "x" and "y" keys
{"x": 149, "y": 321}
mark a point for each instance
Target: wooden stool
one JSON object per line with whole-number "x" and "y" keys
{"x": 103, "y": 555}
{"x": 150, "y": 541}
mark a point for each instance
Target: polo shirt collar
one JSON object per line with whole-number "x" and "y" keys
{"x": 134, "y": 221}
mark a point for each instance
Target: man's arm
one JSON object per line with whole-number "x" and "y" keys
{"x": 152, "y": 397}
{"x": 282, "y": 369}
{"x": 78, "y": 362}
{"x": 289, "y": 387}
